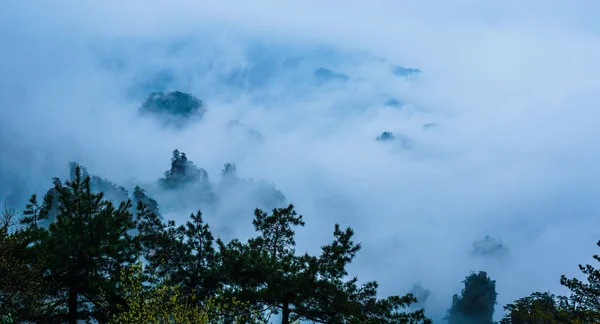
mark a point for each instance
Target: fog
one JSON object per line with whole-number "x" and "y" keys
{"x": 512, "y": 89}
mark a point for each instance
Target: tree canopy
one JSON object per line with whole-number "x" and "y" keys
{"x": 174, "y": 108}
{"x": 76, "y": 255}
{"x": 97, "y": 261}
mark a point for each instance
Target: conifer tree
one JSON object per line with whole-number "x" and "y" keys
{"x": 199, "y": 275}
{"x": 582, "y": 306}
{"x": 154, "y": 304}
{"x": 110, "y": 190}
{"x": 152, "y": 232}
{"x": 185, "y": 254}
{"x": 83, "y": 249}
{"x": 542, "y": 308}
{"x": 267, "y": 272}
{"x": 21, "y": 290}
{"x": 585, "y": 296}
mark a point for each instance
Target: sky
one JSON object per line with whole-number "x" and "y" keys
{"x": 511, "y": 86}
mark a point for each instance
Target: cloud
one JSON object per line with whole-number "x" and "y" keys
{"x": 512, "y": 87}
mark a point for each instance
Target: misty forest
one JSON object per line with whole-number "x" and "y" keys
{"x": 208, "y": 163}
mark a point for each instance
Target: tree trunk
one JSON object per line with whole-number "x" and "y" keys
{"x": 285, "y": 313}
{"x": 72, "y": 304}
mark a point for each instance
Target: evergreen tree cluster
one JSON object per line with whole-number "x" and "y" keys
{"x": 97, "y": 261}
{"x": 77, "y": 255}
{"x": 183, "y": 172}
{"x": 173, "y": 108}
{"x": 185, "y": 179}
{"x": 476, "y": 303}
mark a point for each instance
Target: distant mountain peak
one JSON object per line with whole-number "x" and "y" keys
{"x": 173, "y": 108}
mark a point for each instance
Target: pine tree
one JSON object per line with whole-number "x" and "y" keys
{"x": 585, "y": 297}
{"x": 157, "y": 303}
{"x": 267, "y": 272}
{"x": 185, "y": 254}
{"x": 539, "y": 308}
{"x": 275, "y": 247}
{"x": 200, "y": 276}
{"x": 333, "y": 299}
{"x": 110, "y": 190}
{"x": 476, "y": 303}
{"x": 83, "y": 249}
{"x": 582, "y": 306}
{"x": 21, "y": 290}
{"x": 152, "y": 232}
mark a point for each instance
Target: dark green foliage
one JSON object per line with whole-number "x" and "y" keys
{"x": 77, "y": 260}
{"x": 36, "y": 215}
{"x": 63, "y": 264}
{"x": 173, "y": 108}
{"x": 476, "y": 303}
{"x": 585, "y": 296}
{"x": 110, "y": 190}
{"x": 185, "y": 254}
{"x": 267, "y": 272}
{"x": 539, "y": 308}
{"x": 582, "y": 306}
{"x": 21, "y": 292}
{"x": 81, "y": 251}
{"x": 183, "y": 172}
{"x": 199, "y": 258}
{"x": 154, "y": 236}
{"x": 336, "y": 300}
{"x": 264, "y": 271}
{"x": 7, "y": 319}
